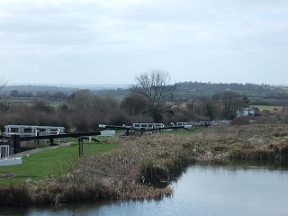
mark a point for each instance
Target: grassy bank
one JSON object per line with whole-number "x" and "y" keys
{"x": 49, "y": 162}
{"x": 138, "y": 168}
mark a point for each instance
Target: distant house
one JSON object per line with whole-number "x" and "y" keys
{"x": 247, "y": 112}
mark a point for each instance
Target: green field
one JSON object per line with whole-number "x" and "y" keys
{"x": 270, "y": 108}
{"x": 50, "y": 162}
{"x": 27, "y": 101}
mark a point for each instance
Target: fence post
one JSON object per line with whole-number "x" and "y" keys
{"x": 37, "y": 135}
{"x": 80, "y": 141}
{"x": 15, "y": 138}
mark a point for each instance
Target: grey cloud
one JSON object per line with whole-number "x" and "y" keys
{"x": 194, "y": 40}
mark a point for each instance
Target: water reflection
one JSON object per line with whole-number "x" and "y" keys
{"x": 204, "y": 189}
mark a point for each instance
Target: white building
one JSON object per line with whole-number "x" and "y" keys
{"x": 247, "y": 111}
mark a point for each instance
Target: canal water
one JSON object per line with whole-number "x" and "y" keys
{"x": 201, "y": 190}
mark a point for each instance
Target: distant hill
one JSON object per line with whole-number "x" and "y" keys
{"x": 258, "y": 94}
{"x": 36, "y": 88}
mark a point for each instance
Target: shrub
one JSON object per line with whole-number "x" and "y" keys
{"x": 240, "y": 121}
{"x": 15, "y": 195}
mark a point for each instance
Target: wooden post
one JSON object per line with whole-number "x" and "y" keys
{"x": 80, "y": 141}
{"x": 51, "y": 141}
{"x": 37, "y": 135}
{"x": 15, "y": 139}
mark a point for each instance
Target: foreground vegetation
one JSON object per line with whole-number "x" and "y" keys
{"x": 142, "y": 168}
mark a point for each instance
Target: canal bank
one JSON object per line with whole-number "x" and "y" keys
{"x": 137, "y": 167}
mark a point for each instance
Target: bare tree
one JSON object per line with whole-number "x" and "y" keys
{"x": 230, "y": 101}
{"x": 154, "y": 86}
{"x": 134, "y": 104}
{"x": 3, "y": 82}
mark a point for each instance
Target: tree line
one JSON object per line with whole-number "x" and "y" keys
{"x": 151, "y": 99}
{"x": 59, "y": 95}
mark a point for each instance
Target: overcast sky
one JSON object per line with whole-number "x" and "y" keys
{"x": 112, "y": 41}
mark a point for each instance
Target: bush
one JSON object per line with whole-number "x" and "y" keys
{"x": 241, "y": 121}
{"x": 15, "y": 195}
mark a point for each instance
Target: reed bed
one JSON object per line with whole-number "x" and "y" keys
{"x": 142, "y": 168}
